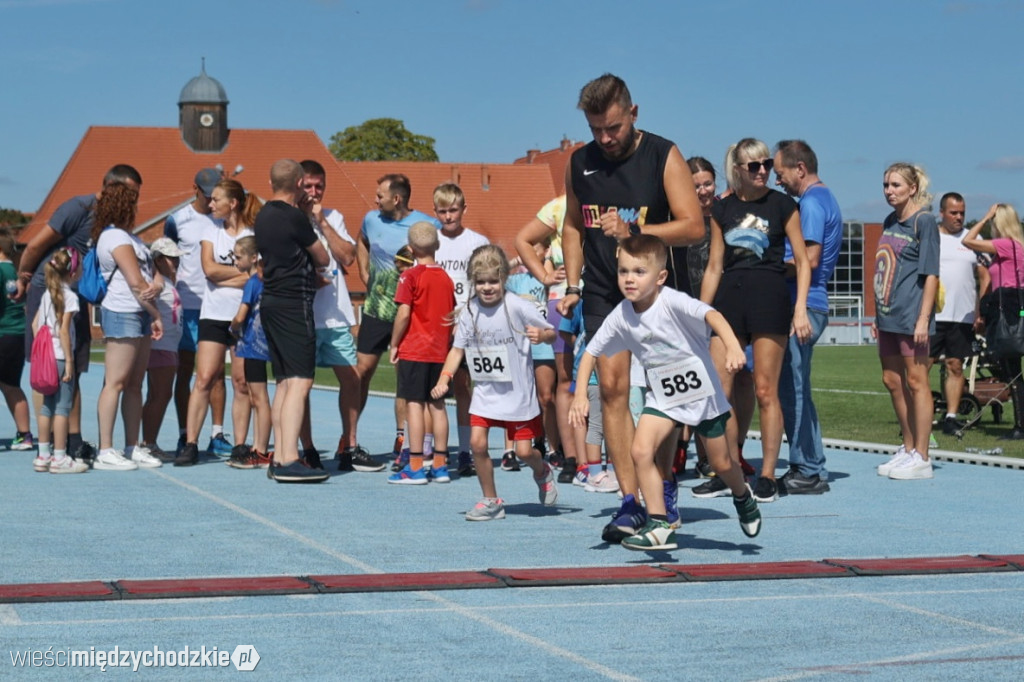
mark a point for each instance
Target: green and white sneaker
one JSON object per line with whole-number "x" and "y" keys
{"x": 654, "y": 535}
{"x": 750, "y": 515}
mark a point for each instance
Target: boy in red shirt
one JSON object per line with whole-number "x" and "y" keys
{"x": 420, "y": 340}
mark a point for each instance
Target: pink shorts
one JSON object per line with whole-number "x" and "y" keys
{"x": 513, "y": 430}
{"x": 891, "y": 344}
{"x": 162, "y": 358}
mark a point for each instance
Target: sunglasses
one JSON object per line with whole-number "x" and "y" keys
{"x": 754, "y": 166}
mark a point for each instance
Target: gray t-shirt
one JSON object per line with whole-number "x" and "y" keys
{"x": 907, "y": 253}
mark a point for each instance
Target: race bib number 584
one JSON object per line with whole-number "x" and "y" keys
{"x": 680, "y": 383}
{"x": 488, "y": 363}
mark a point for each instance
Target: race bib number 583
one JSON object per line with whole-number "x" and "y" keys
{"x": 680, "y": 383}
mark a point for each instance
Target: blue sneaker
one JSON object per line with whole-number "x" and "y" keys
{"x": 439, "y": 474}
{"x": 401, "y": 460}
{"x": 219, "y": 446}
{"x": 672, "y": 502}
{"x": 409, "y": 477}
{"x": 627, "y": 522}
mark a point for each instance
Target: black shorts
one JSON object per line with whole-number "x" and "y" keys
{"x": 217, "y": 331}
{"x": 952, "y": 339}
{"x": 415, "y": 379}
{"x": 83, "y": 327}
{"x": 755, "y": 302}
{"x": 291, "y": 337}
{"x": 12, "y": 359}
{"x": 595, "y": 309}
{"x": 374, "y": 336}
{"x": 255, "y": 371}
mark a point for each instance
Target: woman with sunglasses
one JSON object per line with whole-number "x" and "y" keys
{"x": 230, "y": 203}
{"x": 745, "y": 280}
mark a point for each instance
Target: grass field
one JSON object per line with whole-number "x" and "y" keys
{"x": 848, "y": 392}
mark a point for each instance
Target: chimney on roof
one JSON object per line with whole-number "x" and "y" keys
{"x": 565, "y": 144}
{"x": 531, "y": 154}
{"x": 485, "y": 178}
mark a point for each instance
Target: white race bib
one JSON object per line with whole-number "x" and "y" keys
{"x": 488, "y": 363}
{"x": 680, "y": 383}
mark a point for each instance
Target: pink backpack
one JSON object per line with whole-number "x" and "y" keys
{"x": 43, "y": 372}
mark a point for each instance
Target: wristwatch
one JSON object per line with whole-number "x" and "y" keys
{"x": 573, "y": 291}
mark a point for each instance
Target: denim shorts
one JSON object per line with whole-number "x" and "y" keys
{"x": 117, "y": 325}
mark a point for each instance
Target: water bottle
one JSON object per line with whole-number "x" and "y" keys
{"x": 12, "y": 288}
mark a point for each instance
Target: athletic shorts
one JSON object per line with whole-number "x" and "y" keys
{"x": 216, "y": 331}
{"x": 891, "y": 344}
{"x": 291, "y": 337}
{"x": 12, "y": 358}
{"x": 117, "y": 325}
{"x": 554, "y": 318}
{"x": 952, "y": 339}
{"x": 162, "y": 358}
{"x": 335, "y": 347}
{"x": 374, "y": 335}
{"x": 595, "y": 309}
{"x": 709, "y": 428}
{"x": 255, "y": 371}
{"x": 527, "y": 430}
{"x": 416, "y": 379}
{"x": 189, "y": 331}
{"x": 755, "y": 302}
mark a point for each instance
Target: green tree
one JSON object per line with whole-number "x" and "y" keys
{"x": 10, "y": 217}
{"x": 381, "y": 139}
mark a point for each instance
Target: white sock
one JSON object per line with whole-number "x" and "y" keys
{"x": 950, "y": 416}
{"x": 59, "y": 455}
{"x": 218, "y": 430}
{"x": 44, "y": 450}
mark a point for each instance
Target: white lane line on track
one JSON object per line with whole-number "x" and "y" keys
{"x": 9, "y": 615}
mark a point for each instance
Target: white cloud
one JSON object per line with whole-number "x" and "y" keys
{"x": 1004, "y": 164}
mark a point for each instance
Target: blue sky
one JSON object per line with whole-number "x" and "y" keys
{"x": 865, "y": 82}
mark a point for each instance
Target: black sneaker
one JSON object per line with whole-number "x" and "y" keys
{"x": 568, "y": 471}
{"x": 188, "y": 456}
{"x": 358, "y": 459}
{"x": 466, "y": 466}
{"x": 86, "y": 453}
{"x": 241, "y": 458}
{"x": 557, "y": 459}
{"x": 509, "y": 461}
{"x": 312, "y": 458}
{"x": 766, "y": 490}
{"x": 951, "y": 426}
{"x": 299, "y": 472}
{"x": 704, "y": 469}
{"x": 713, "y": 487}
{"x": 795, "y": 483}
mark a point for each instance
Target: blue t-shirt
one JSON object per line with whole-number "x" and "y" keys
{"x": 574, "y": 326}
{"x": 822, "y": 223}
{"x": 73, "y": 222}
{"x": 384, "y": 237}
{"x": 253, "y": 343}
{"x": 530, "y": 289}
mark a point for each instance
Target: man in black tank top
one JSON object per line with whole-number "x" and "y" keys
{"x": 624, "y": 182}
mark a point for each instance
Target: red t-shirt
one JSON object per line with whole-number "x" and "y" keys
{"x": 429, "y": 291}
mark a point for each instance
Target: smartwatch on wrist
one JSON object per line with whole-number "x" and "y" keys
{"x": 573, "y": 291}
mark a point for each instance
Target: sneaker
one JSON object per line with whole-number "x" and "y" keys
{"x": 86, "y": 453}
{"x": 144, "y": 457}
{"x": 409, "y": 477}
{"x": 932, "y": 443}
{"x": 704, "y": 469}
{"x": 181, "y": 443}
{"x": 41, "y": 463}
{"x": 766, "y": 490}
{"x": 113, "y": 460}
{"x": 187, "y": 456}
{"x": 556, "y": 458}
{"x": 358, "y": 459}
{"x": 487, "y": 509}
{"x": 22, "y": 441}
{"x": 261, "y": 460}
{"x": 795, "y": 483}
{"x": 568, "y": 472}
{"x": 604, "y": 482}
{"x": 466, "y": 466}
{"x": 509, "y": 461}
{"x": 672, "y": 502}
{"x": 439, "y": 474}
{"x": 897, "y": 459}
{"x": 219, "y": 446}
{"x": 750, "y": 515}
{"x": 401, "y": 461}
{"x": 546, "y": 489}
{"x": 627, "y": 522}
{"x": 67, "y": 466}
{"x": 241, "y": 458}
{"x": 581, "y": 478}
{"x": 299, "y": 472}
{"x": 914, "y": 467}
{"x": 654, "y": 535}
{"x": 312, "y": 458}
{"x": 713, "y": 487}
{"x": 952, "y": 426}
{"x": 160, "y": 453}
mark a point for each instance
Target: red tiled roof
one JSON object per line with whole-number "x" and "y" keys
{"x": 555, "y": 159}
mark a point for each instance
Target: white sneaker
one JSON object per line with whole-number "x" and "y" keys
{"x": 912, "y": 468}
{"x": 900, "y": 455}
{"x": 145, "y": 458}
{"x": 68, "y": 466}
{"x": 113, "y": 460}
{"x": 41, "y": 463}
{"x": 604, "y": 482}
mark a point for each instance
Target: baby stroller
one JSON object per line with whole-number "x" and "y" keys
{"x": 984, "y": 388}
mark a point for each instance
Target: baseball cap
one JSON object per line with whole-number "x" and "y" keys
{"x": 165, "y": 246}
{"x": 207, "y": 179}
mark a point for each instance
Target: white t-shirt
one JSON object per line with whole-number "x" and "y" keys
{"x": 120, "y": 298}
{"x": 332, "y": 305}
{"x": 169, "y": 305}
{"x": 453, "y": 255}
{"x": 221, "y": 302}
{"x": 190, "y": 225}
{"x": 502, "y": 349}
{"x": 957, "y": 264}
{"x": 671, "y": 341}
{"x": 48, "y": 316}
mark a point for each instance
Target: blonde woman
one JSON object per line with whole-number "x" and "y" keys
{"x": 1007, "y": 270}
{"x": 906, "y": 280}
